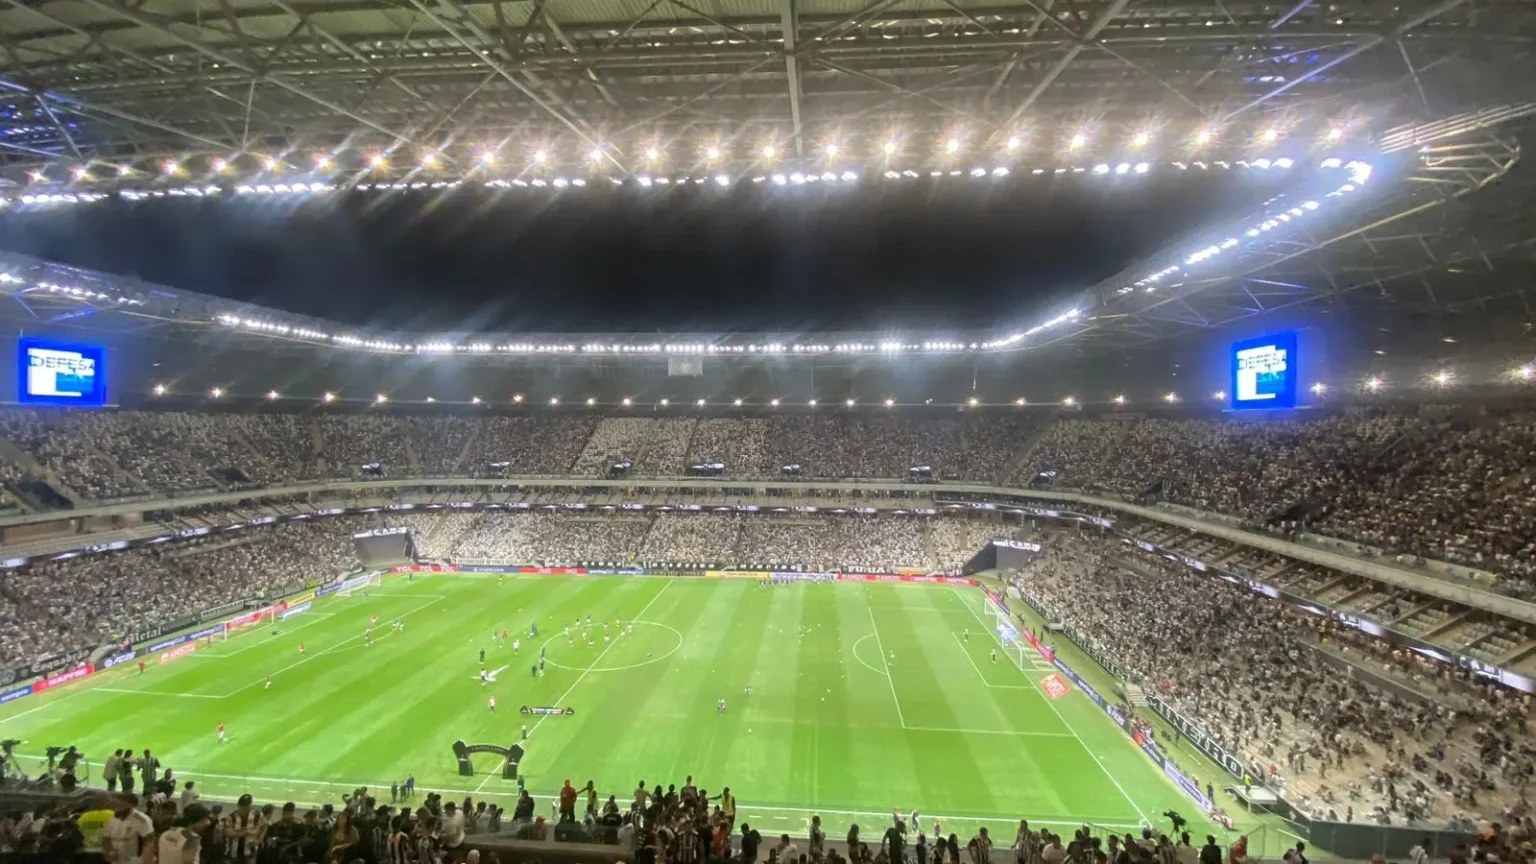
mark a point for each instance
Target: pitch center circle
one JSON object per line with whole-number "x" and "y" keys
{"x": 658, "y": 641}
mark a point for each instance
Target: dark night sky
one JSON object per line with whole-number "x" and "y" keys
{"x": 953, "y": 252}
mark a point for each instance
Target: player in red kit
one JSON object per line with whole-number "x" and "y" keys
{"x": 222, "y": 739}
{"x": 141, "y": 667}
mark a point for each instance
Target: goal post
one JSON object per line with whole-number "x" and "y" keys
{"x": 360, "y": 583}
{"x": 1007, "y": 632}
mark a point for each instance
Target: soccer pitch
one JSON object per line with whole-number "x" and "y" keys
{"x": 865, "y": 697}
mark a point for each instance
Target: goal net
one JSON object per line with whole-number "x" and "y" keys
{"x": 1014, "y": 646}
{"x": 359, "y": 583}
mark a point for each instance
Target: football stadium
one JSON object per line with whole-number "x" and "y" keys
{"x": 888, "y": 433}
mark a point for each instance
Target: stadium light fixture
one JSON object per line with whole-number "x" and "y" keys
{"x": 1204, "y": 136}
{"x": 700, "y": 403}
{"x": 1218, "y": 395}
{"x": 1319, "y": 388}
{"x": 889, "y": 402}
{"x": 270, "y": 163}
{"x": 1141, "y": 139}
{"x": 82, "y": 173}
{"x": 377, "y": 162}
{"x": 952, "y": 146}
{"x": 1069, "y": 401}
{"x": 554, "y": 400}
{"x": 322, "y": 161}
{"x": 591, "y": 401}
{"x": 429, "y": 160}
{"x": 487, "y": 157}
{"x": 737, "y": 403}
{"x": 219, "y": 166}
{"x": 216, "y": 392}
{"x": 596, "y": 155}
{"x": 664, "y": 402}
{"x": 1270, "y": 136}
{"x": 712, "y": 153}
{"x": 473, "y": 400}
{"x": 1170, "y": 398}
{"x": 272, "y": 394}
{"x": 769, "y": 151}
{"x": 38, "y": 176}
{"x": 1077, "y": 141}
{"x": 831, "y": 149}
{"x": 328, "y": 397}
{"x": 1524, "y": 373}
{"x": 850, "y": 403}
{"x": 517, "y": 398}
{"x": 889, "y": 148}
{"x": 973, "y": 401}
{"x": 1119, "y": 400}
{"x": 652, "y": 154}
{"x": 159, "y": 390}
{"x": 124, "y": 170}
{"x": 773, "y": 402}
{"x": 1021, "y": 401}
{"x": 380, "y": 399}
{"x": 1335, "y": 134}
{"x": 1443, "y": 378}
{"x": 1374, "y": 384}
{"x": 170, "y": 167}
{"x": 626, "y": 402}
{"x": 1012, "y": 144}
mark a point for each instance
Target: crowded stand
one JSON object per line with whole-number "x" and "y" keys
{"x": 46, "y": 612}
{"x": 1335, "y": 746}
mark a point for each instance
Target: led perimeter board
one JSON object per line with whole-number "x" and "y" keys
{"x": 1264, "y": 372}
{"x": 61, "y": 373}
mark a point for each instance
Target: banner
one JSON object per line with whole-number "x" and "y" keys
{"x": 13, "y": 695}
{"x": 1053, "y": 686}
{"x": 1201, "y": 739}
{"x": 52, "y": 681}
{"x": 300, "y": 609}
{"x": 178, "y": 652}
{"x": 221, "y": 610}
{"x": 118, "y": 659}
{"x": 540, "y": 709}
{"x": 45, "y": 666}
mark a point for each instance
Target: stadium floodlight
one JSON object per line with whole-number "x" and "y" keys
{"x": 952, "y": 146}
{"x": 554, "y": 400}
{"x": 380, "y": 399}
{"x": 429, "y": 159}
{"x": 1443, "y": 378}
{"x": 652, "y": 154}
{"x": 773, "y": 402}
{"x": 1270, "y": 136}
{"x": 1524, "y": 373}
{"x": 1218, "y": 395}
{"x": 159, "y": 390}
{"x": 1374, "y": 384}
{"x": 272, "y": 394}
{"x": 1119, "y": 399}
{"x": 1204, "y": 136}
{"x": 487, "y": 157}
{"x": 540, "y": 157}
{"x": 170, "y": 167}
{"x": 322, "y": 161}
{"x": 591, "y": 401}
{"x": 124, "y": 170}
{"x": 1141, "y": 139}
{"x": 889, "y": 402}
{"x": 699, "y": 403}
{"x": 1069, "y": 401}
{"x": 328, "y": 397}
{"x": 216, "y": 392}
{"x": 596, "y": 155}
{"x": 270, "y": 163}
{"x": 850, "y": 403}
{"x": 1319, "y": 388}
{"x": 1077, "y": 140}
{"x": 664, "y": 402}
{"x": 378, "y": 162}
{"x": 973, "y": 401}
{"x": 831, "y": 149}
{"x": 219, "y": 166}
{"x": 1012, "y": 144}
{"x": 1335, "y": 134}
{"x": 812, "y": 403}
{"x": 517, "y": 398}
{"x": 770, "y": 151}
{"x": 737, "y": 403}
{"x": 1170, "y": 398}
{"x": 889, "y": 147}
{"x": 626, "y": 401}
{"x": 38, "y": 176}
{"x": 1021, "y": 401}
{"x": 712, "y": 153}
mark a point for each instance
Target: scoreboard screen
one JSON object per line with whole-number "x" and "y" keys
{"x": 1264, "y": 372}
{"x": 59, "y": 373}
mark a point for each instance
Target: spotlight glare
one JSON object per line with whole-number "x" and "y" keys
{"x": 219, "y": 166}
{"x": 473, "y": 400}
{"x": 429, "y": 160}
{"x": 699, "y": 403}
{"x": 270, "y": 163}
{"x": 952, "y": 146}
{"x": 1335, "y": 134}
{"x": 973, "y": 401}
{"x": 272, "y": 394}
{"x": 1012, "y": 145}
{"x": 1020, "y": 401}
{"x": 1170, "y": 398}
{"x": 591, "y": 401}
{"x": 665, "y": 402}
{"x": 627, "y": 401}
{"x": 832, "y": 150}
{"x": 380, "y": 399}
{"x": 377, "y": 161}
{"x": 737, "y": 403}
{"x": 889, "y": 147}
{"x": 1525, "y": 373}
{"x": 712, "y": 153}
{"x": 812, "y": 403}
{"x": 1141, "y": 139}
{"x": 322, "y": 161}
{"x": 171, "y": 166}
{"x": 1069, "y": 401}
{"x": 554, "y": 400}
{"x": 1078, "y": 140}
{"x": 769, "y": 151}
{"x": 1204, "y": 137}
{"x": 1219, "y": 395}
{"x": 82, "y": 173}
{"x": 1373, "y": 384}
{"x": 1443, "y": 378}
{"x": 540, "y": 157}
{"x": 774, "y": 402}
{"x": 890, "y": 402}
{"x": 517, "y": 397}
{"x": 1319, "y": 388}
{"x": 1119, "y": 400}
{"x": 159, "y": 389}
{"x": 329, "y": 397}
{"x": 596, "y": 155}
{"x": 216, "y": 392}
{"x": 1270, "y": 136}
{"x": 487, "y": 156}
{"x": 850, "y": 403}
{"x": 652, "y": 154}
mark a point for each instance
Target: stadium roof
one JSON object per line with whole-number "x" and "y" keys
{"x": 115, "y": 97}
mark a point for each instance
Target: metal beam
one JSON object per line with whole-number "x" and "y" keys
{"x": 125, "y": 116}
{"x": 790, "y": 28}
{"x": 1109, "y": 13}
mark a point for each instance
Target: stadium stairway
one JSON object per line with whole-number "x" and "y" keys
{"x": 40, "y": 473}
{"x": 1021, "y": 456}
{"x": 1135, "y": 695}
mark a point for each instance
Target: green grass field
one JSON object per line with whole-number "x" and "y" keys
{"x": 831, "y": 727}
